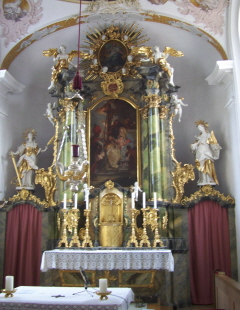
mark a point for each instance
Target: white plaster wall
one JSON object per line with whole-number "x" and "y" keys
{"x": 234, "y": 43}
{"x": 25, "y": 110}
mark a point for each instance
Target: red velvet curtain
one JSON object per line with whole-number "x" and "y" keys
{"x": 23, "y": 245}
{"x": 209, "y": 248}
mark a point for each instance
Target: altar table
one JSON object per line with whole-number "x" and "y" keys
{"x": 68, "y": 259}
{"x": 63, "y": 298}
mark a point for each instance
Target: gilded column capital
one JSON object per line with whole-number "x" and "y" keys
{"x": 152, "y": 100}
{"x": 68, "y": 104}
{"x": 163, "y": 111}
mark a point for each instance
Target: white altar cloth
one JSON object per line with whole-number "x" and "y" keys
{"x": 68, "y": 259}
{"x": 37, "y": 297}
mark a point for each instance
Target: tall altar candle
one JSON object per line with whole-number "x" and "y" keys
{"x": 65, "y": 201}
{"x": 144, "y": 200}
{"x": 155, "y": 200}
{"x": 9, "y": 283}
{"x": 102, "y": 285}
{"x": 75, "y": 200}
{"x": 133, "y": 200}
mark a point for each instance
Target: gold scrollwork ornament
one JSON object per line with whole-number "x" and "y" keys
{"x": 112, "y": 85}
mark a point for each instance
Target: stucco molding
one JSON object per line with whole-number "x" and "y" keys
{"x": 7, "y": 85}
{"x": 222, "y": 73}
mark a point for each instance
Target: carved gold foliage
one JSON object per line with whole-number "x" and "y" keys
{"x": 165, "y": 220}
{"x": 207, "y": 191}
{"x": 163, "y": 111}
{"x": 68, "y": 104}
{"x": 28, "y": 196}
{"x": 109, "y": 184}
{"x": 48, "y": 181}
{"x": 112, "y": 85}
{"x": 181, "y": 175}
{"x": 152, "y": 100}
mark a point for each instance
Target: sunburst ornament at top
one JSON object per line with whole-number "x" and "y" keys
{"x": 110, "y": 51}
{"x": 16, "y": 16}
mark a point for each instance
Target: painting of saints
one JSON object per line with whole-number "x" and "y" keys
{"x": 113, "y": 145}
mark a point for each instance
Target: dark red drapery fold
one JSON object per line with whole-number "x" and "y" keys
{"x": 209, "y": 248}
{"x": 23, "y": 245}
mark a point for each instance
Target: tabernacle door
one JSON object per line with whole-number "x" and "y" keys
{"x": 111, "y": 217}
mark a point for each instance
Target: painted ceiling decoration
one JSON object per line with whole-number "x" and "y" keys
{"x": 16, "y": 17}
{"x": 104, "y": 12}
{"x": 210, "y": 13}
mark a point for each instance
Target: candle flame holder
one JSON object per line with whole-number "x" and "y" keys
{"x": 133, "y": 238}
{"x": 103, "y": 295}
{"x": 75, "y": 239}
{"x": 63, "y": 241}
{"x": 9, "y": 293}
{"x": 157, "y": 241}
{"x": 87, "y": 239}
{"x": 145, "y": 240}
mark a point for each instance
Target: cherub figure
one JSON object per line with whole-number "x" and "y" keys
{"x": 177, "y": 103}
{"x": 62, "y": 59}
{"x": 160, "y": 58}
{"x": 49, "y": 113}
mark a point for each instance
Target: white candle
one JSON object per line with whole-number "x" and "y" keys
{"x": 103, "y": 285}
{"x": 155, "y": 200}
{"x": 133, "y": 200}
{"x": 87, "y": 203}
{"x": 144, "y": 200}
{"x": 9, "y": 283}
{"x": 65, "y": 201}
{"x": 75, "y": 200}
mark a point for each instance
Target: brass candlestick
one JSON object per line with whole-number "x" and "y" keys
{"x": 133, "y": 238}
{"x": 75, "y": 239}
{"x": 87, "y": 239}
{"x": 63, "y": 239}
{"x": 145, "y": 240}
{"x": 103, "y": 295}
{"x": 9, "y": 293}
{"x": 157, "y": 241}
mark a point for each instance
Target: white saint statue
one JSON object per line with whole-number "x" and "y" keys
{"x": 207, "y": 150}
{"x": 27, "y": 162}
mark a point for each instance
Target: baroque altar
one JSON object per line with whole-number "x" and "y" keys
{"x": 115, "y": 185}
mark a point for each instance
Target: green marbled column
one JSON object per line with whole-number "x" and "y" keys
{"x": 145, "y": 156}
{"x": 66, "y": 152}
{"x": 154, "y": 153}
{"x": 163, "y": 160}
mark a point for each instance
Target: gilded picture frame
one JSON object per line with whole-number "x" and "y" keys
{"x": 113, "y": 142}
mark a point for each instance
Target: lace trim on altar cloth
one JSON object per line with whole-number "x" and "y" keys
{"x": 107, "y": 260}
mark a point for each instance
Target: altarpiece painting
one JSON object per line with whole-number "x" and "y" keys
{"x": 113, "y": 142}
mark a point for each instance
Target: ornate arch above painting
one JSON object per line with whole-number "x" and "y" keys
{"x": 73, "y": 21}
{"x": 114, "y": 142}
